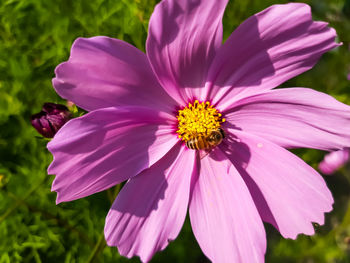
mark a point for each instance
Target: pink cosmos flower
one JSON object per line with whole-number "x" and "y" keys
{"x": 334, "y": 160}
{"x": 143, "y": 112}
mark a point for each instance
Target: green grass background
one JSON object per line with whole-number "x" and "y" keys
{"x": 35, "y": 36}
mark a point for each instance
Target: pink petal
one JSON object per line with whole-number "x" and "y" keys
{"x": 106, "y": 147}
{"x": 182, "y": 41}
{"x": 223, "y": 215}
{"x": 287, "y": 192}
{"x": 151, "y": 208}
{"x": 267, "y": 49}
{"x": 103, "y": 72}
{"x": 294, "y": 117}
{"x": 334, "y": 160}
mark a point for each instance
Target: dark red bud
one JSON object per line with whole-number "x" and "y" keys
{"x": 50, "y": 119}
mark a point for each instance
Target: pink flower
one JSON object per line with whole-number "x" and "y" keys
{"x": 334, "y": 160}
{"x": 143, "y": 113}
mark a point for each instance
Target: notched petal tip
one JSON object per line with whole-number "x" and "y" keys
{"x": 57, "y": 72}
{"x": 151, "y": 208}
{"x": 121, "y": 72}
{"x": 266, "y": 50}
{"x": 311, "y": 231}
{"x": 50, "y": 169}
{"x": 58, "y": 199}
{"x": 289, "y": 193}
{"x": 308, "y": 232}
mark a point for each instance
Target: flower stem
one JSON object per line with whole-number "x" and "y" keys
{"x": 101, "y": 243}
{"x": 11, "y": 209}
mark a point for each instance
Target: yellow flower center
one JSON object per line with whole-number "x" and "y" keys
{"x": 200, "y": 125}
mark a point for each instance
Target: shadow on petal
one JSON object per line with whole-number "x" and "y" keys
{"x": 150, "y": 192}
{"x": 241, "y": 63}
{"x": 106, "y": 147}
{"x": 151, "y": 208}
{"x": 239, "y": 154}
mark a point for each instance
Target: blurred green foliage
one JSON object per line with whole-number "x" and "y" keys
{"x": 35, "y": 36}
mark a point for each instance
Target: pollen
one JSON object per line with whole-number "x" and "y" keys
{"x": 198, "y": 120}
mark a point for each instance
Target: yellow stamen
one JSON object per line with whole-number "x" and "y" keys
{"x": 198, "y": 120}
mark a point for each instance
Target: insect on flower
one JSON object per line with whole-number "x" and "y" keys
{"x": 199, "y": 126}
{"x": 192, "y": 89}
{"x": 199, "y": 142}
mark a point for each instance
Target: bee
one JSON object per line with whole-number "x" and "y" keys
{"x": 206, "y": 143}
